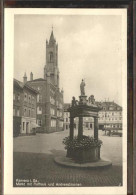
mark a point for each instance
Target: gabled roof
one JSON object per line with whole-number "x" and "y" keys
{"x": 18, "y": 83}
{"x": 21, "y": 85}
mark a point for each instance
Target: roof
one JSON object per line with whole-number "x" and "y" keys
{"x": 21, "y": 85}
{"x": 39, "y": 79}
{"x": 18, "y": 83}
{"x": 52, "y": 39}
{"x": 108, "y": 105}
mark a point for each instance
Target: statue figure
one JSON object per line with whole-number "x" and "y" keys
{"x": 91, "y": 99}
{"x": 82, "y": 87}
{"x": 73, "y": 101}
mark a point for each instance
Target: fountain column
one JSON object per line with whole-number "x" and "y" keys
{"x": 80, "y": 127}
{"x": 71, "y": 127}
{"x": 96, "y": 126}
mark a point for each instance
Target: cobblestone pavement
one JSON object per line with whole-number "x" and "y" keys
{"x": 34, "y": 159}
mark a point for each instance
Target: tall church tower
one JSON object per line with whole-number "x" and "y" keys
{"x": 51, "y": 71}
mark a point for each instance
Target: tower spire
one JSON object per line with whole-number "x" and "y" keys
{"x": 52, "y": 39}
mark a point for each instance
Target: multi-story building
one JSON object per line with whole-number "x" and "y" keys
{"x": 110, "y": 117}
{"x": 50, "y": 98}
{"x": 24, "y": 108}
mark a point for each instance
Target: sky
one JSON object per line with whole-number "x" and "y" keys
{"x": 89, "y": 47}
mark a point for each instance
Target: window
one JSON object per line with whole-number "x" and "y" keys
{"x": 111, "y": 108}
{"x": 40, "y": 123}
{"x": 14, "y": 97}
{"x": 32, "y": 113}
{"x": 66, "y": 119}
{"x": 52, "y": 101}
{"x": 18, "y": 112}
{"x": 38, "y": 98}
{"x": 25, "y": 112}
{"x": 39, "y": 110}
{"x": 29, "y": 113}
{"x": 32, "y": 99}
{"x": 29, "y": 99}
{"x": 60, "y": 114}
{"x": 51, "y": 56}
{"x": 52, "y": 111}
{"x": 53, "y": 123}
{"x": 25, "y": 97}
{"x": 18, "y": 97}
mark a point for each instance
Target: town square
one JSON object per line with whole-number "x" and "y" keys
{"x": 34, "y": 159}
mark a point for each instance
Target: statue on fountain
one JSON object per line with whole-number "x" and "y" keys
{"x": 82, "y": 88}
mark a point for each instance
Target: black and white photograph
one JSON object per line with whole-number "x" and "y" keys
{"x": 66, "y": 101}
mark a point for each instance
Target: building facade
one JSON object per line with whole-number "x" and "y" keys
{"x": 24, "y": 108}
{"x": 50, "y": 98}
{"x": 110, "y": 117}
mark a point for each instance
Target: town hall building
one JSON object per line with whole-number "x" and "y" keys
{"x": 50, "y": 97}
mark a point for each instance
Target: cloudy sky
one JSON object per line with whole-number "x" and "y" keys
{"x": 89, "y": 47}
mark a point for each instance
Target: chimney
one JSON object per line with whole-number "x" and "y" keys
{"x": 31, "y": 76}
{"x": 25, "y": 78}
